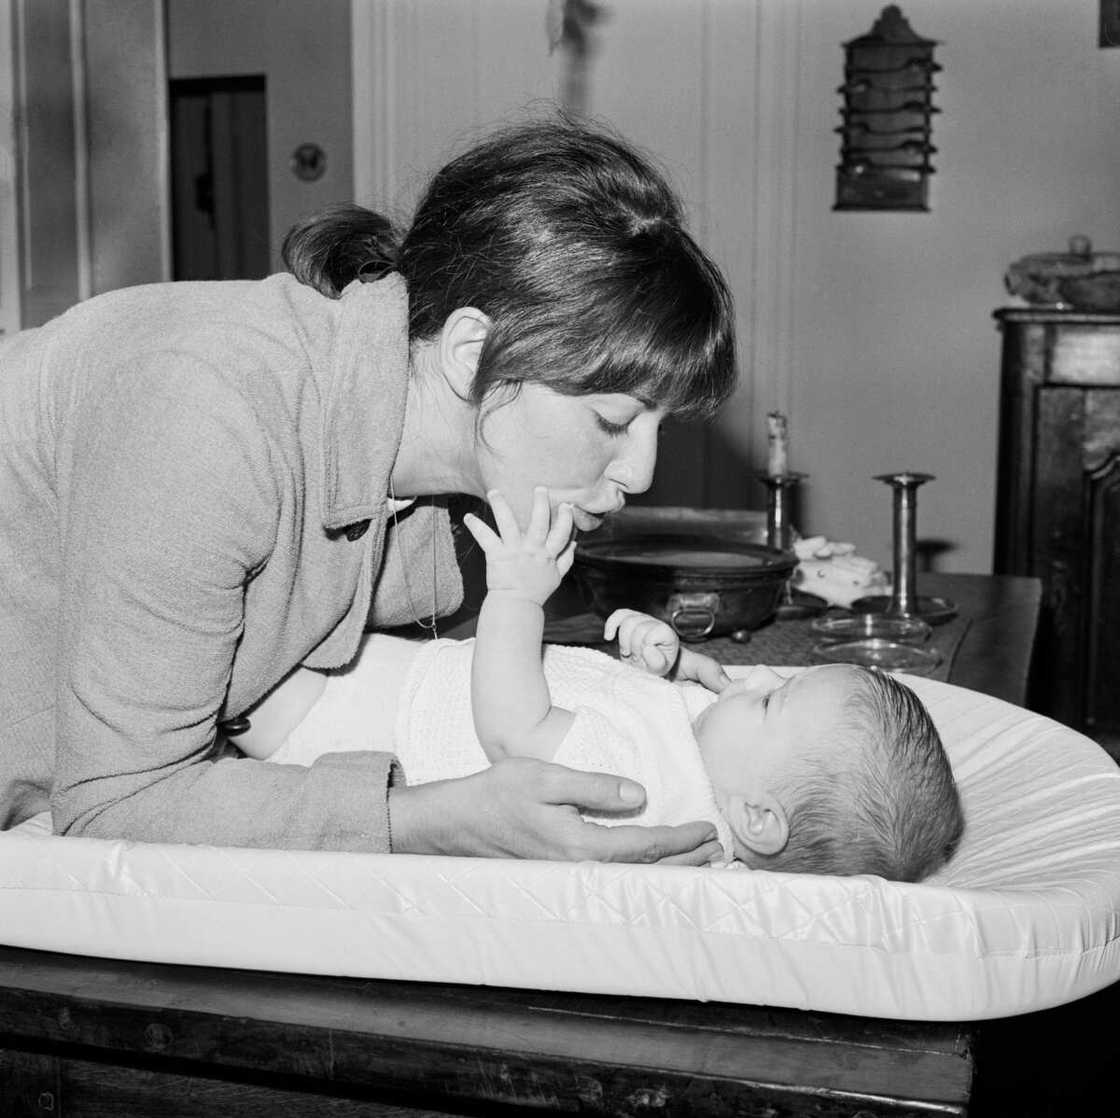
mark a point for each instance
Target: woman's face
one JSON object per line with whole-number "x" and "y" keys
{"x": 590, "y": 451}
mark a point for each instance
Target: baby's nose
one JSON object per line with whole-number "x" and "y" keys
{"x": 762, "y": 680}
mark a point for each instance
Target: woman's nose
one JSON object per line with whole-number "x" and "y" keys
{"x": 633, "y": 470}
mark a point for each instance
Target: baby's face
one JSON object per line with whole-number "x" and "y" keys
{"x": 755, "y": 733}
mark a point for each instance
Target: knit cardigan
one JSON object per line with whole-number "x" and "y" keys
{"x": 192, "y": 503}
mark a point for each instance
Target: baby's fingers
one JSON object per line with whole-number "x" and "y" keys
{"x": 635, "y": 640}
{"x": 566, "y": 558}
{"x": 657, "y": 645}
{"x": 560, "y": 534}
{"x": 539, "y": 517}
{"x": 614, "y": 623}
{"x": 484, "y": 535}
{"x": 503, "y": 517}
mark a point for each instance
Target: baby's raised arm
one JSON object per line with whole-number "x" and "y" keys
{"x": 510, "y": 701}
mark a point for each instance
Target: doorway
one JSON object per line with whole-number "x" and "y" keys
{"x": 219, "y": 178}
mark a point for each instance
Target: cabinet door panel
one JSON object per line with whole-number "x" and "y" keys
{"x": 1058, "y": 553}
{"x": 1102, "y": 629}
{"x": 1058, "y": 504}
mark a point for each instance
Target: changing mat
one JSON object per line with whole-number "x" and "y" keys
{"x": 1026, "y": 916}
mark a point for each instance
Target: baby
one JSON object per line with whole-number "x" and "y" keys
{"x": 832, "y": 770}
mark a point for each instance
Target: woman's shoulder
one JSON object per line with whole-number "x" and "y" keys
{"x": 163, "y": 325}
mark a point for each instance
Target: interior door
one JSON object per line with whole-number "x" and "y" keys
{"x": 219, "y": 178}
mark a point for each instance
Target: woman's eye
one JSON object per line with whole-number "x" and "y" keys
{"x": 609, "y": 428}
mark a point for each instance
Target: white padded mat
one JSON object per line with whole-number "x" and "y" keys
{"x": 1026, "y": 916}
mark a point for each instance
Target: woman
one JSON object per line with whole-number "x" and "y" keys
{"x": 204, "y": 486}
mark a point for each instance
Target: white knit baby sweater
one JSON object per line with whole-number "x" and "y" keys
{"x": 626, "y": 722}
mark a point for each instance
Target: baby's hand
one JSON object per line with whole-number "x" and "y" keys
{"x": 531, "y": 564}
{"x": 643, "y": 640}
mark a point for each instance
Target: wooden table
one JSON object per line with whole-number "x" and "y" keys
{"x": 90, "y": 1037}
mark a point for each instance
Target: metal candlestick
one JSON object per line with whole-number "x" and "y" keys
{"x": 904, "y": 600}
{"x": 779, "y": 505}
{"x": 780, "y": 489}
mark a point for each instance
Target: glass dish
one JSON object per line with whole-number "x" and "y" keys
{"x": 866, "y": 626}
{"x": 874, "y": 652}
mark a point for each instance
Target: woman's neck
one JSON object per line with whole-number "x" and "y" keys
{"x": 436, "y": 454}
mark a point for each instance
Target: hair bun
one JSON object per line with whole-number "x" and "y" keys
{"x": 332, "y": 247}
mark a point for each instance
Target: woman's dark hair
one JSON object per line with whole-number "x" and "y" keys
{"x": 572, "y": 244}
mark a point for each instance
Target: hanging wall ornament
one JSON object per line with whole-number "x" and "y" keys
{"x": 887, "y": 114}
{"x": 571, "y": 26}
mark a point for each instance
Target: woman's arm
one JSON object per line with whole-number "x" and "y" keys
{"x": 510, "y": 701}
{"x": 168, "y": 511}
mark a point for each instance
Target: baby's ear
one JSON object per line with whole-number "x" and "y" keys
{"x": 762, "y": 826}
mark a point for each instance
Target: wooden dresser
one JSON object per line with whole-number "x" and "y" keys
{"x": 1058, "y": 504}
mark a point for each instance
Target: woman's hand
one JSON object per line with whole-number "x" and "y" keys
{"x": 529, "y": 564}
{"x": 522, "y": 808}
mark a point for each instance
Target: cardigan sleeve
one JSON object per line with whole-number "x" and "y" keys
{"x": 169, "y": 509}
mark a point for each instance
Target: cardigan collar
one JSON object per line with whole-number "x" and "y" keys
{"x": 364, "y": 384}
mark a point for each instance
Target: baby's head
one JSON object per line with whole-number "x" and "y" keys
{"x": 836, "y": 770}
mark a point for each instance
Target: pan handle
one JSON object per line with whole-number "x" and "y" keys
{"x": 693, "y": 615}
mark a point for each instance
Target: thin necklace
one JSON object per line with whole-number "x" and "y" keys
{"x": 429, "y": 626}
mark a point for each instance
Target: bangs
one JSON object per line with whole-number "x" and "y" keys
{"x": 663, "y": 338}
{"x": 688, "y": 373}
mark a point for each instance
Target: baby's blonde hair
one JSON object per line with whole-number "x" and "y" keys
{"x": 879, "y": 800}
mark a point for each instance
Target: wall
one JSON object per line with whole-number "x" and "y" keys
{"x": 90, "y": 130}
{"x": 9, "y": 224}
{"x": 430, "y": 75}
{"x": 46, "y": 195}
{"x": 303, "y": 50}
{"x": 894, "y": 351}
{"x": 873, "y": 331}
{"x": 125, "y": 130}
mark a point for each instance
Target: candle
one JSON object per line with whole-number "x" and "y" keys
{"x": 777, "y": 441}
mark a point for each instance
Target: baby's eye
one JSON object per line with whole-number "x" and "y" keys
{"x": 609, "y": 428}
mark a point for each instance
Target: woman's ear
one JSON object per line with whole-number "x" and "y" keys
{"x": 460, "y": 346}
{"x": 762, "y": 827}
